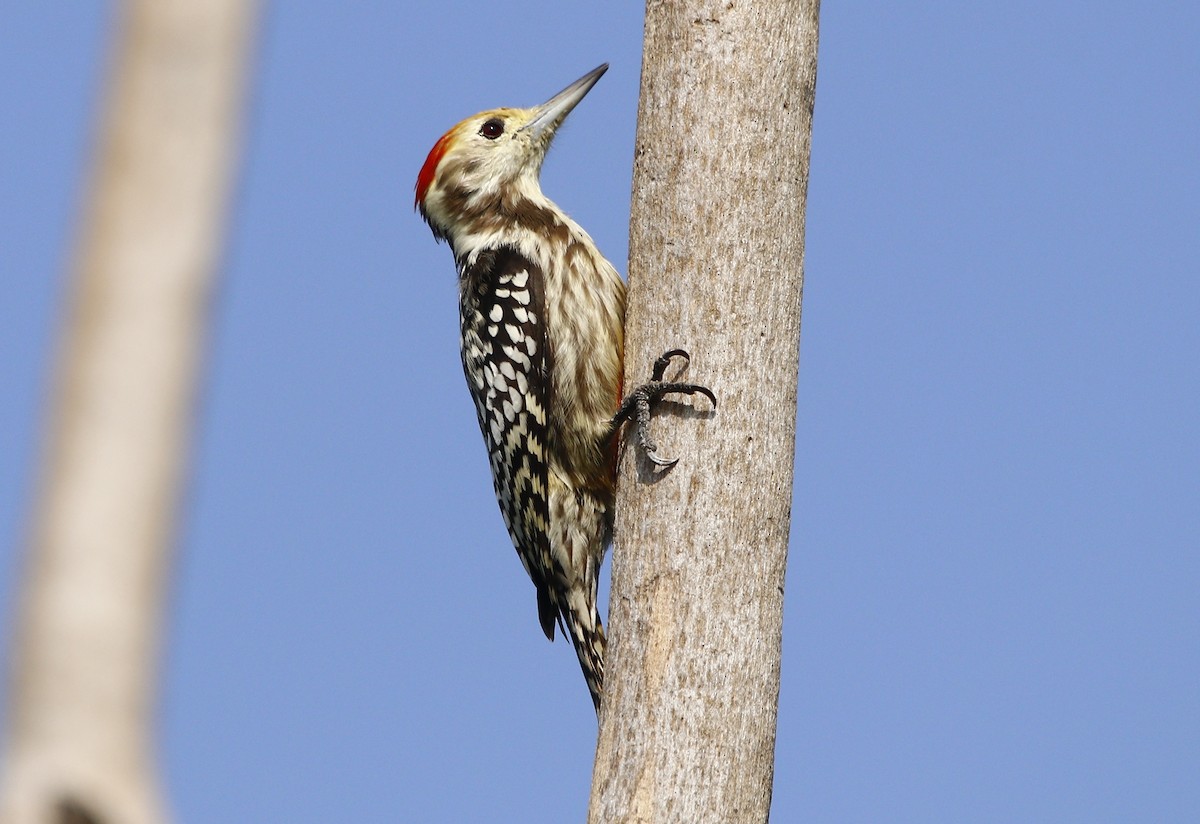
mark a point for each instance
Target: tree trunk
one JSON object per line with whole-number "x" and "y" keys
{"x": 79, "y": 744}
{"x": 687, "y": 727}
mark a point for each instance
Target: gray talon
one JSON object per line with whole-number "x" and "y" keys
{"x": 636, "y": 406}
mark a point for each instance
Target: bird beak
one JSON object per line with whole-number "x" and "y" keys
{"x": 550, "y": 115}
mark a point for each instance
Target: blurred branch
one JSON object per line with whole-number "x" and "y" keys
{"x": 79, "y": 743}
{"x": 688, "y": 721}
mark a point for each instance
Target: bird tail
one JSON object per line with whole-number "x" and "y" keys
{"x": 587, "y": 636}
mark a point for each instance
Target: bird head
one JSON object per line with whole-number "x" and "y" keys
{"x": 489, "y": 162}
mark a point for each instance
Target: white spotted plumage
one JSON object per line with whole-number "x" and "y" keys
{"x": 542, "y": 316}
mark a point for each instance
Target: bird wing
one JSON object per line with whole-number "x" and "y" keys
{"x": 506, "y": 359}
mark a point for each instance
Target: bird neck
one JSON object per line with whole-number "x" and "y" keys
{"x": 519, "y": 219}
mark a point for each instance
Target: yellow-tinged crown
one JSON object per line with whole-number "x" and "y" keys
{"x": 491, "y": 151}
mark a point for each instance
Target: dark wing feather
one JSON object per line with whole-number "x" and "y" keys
{"x": 506, "y": 361}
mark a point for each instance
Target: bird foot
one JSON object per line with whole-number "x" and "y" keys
{"x": 637, "y": 404}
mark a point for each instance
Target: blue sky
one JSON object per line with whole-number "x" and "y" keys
{"x": 992, "y": 590}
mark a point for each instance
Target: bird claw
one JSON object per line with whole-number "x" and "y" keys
{"x": 637, "y": 405}
{"x": 664, "y": 360}
{"x": 662, "y": 463}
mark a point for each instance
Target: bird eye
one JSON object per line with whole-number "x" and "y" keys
{"x": 492, "y": 128}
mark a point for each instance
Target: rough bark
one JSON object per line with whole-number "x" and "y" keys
{"x": 79, "y": 743}
{"x": 716, "y": 252}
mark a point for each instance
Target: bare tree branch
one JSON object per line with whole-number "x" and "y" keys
{"x": 716, "y": 253}
{"x": 79, "y": 743}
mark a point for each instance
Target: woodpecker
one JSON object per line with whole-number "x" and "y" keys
{"x": 542, "y": 316}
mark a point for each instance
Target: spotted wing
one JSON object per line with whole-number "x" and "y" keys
{"x": 506, "y": 361}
